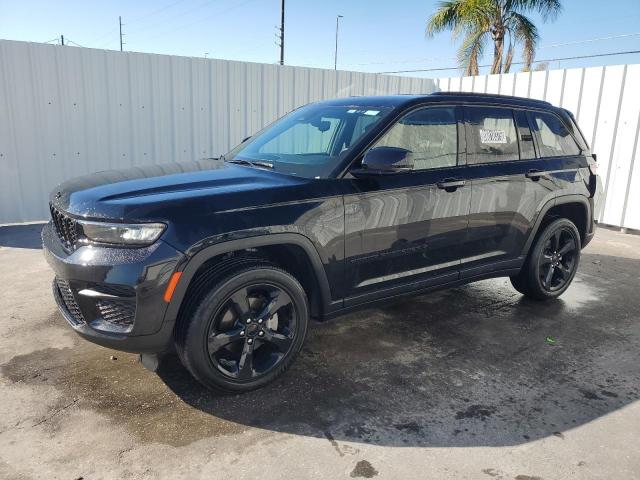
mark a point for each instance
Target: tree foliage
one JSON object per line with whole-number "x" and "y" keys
{"x": 477, "y": 21}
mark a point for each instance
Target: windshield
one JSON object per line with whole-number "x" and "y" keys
{"x": 309, "y": 142}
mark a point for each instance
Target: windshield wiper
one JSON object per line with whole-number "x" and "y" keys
{"x": 256, "y": 163}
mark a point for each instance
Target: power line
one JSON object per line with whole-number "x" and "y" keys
{"x": 578, "y": 57}
{"x": 541, "y": 47}
{"x": 173, "y": 17}
{"x": 590, "y": 40}
{"x": 203, "y": 19}
{"x": 112, "y": 30}
{"x": 74, "y": 43}
{"x": 155, "y": 12}
{"x": 102, "y": 37}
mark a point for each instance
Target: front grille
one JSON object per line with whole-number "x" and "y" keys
{"x": 119, "y": 313}
{"x": 69, "y": 301}
{"x": 66, "y": 228}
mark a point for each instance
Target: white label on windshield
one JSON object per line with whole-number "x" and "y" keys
{"x": 373, "y": 113}
{"x": 353, "y": 110}
{"x": 493, "y": 136}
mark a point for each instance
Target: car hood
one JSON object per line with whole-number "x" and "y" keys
{"x": 147, "y": 192}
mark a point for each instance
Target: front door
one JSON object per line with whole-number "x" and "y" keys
{"x": 407, "y": 230}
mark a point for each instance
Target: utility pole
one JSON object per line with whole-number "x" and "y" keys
{"x": 120, "y": 25}
{"x": 282, "y": 34}
{"x": 335, "y": 55}
{"x": 62, "y": 40}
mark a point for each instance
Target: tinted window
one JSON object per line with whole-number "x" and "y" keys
{"x": 555, "y": 139}
{"x": 302, "y": 140}
{"x": 493, "y": 135}
{"x": 527, "y": 149}
{"x": 311, "y": 141}
{"x": 363, "y": 124}
{"x": 430, "y": 134}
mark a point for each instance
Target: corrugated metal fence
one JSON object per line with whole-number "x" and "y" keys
{"x": 606, "y": 103}
{"x": 68, "y": 111}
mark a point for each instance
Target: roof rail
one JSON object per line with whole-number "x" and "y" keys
{"x": 489, "y": 95}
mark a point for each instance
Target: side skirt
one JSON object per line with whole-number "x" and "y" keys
{"x": 376, "y": 299}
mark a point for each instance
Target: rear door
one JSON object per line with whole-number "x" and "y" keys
{"x": 518, "y": 160}
{"x": 504, "y": 195}
{"x": 407, "y": 230}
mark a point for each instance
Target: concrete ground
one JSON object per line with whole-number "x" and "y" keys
{"x": 456, "y": 384}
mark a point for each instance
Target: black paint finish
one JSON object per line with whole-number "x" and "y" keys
{"x": 368, "y": 238}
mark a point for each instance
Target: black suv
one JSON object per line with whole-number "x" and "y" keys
{"x": 336, "y": 206}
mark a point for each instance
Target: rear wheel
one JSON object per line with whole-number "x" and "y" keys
{"x": 552, "y": 262}
{"x": 246, "y": 330}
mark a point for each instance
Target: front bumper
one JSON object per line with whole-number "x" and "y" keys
{"x": 113, "y": 296}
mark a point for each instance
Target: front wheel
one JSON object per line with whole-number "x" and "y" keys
{"x": 552, "y": 262}
{"x": 246, "y": 330}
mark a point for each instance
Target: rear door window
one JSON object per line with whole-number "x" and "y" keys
{"x": 493, "y": 135}
{"x": 554, "y": 138}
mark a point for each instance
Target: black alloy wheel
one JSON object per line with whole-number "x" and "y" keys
{"x": 551, "y": 263}
{"x": 245, "y": 324}
{"x": 252, "y": 331}
{"x": 557, "y": 263}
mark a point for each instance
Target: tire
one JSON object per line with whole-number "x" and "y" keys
{"x": 244, "y": 327}
{"x": 552, "y": 262}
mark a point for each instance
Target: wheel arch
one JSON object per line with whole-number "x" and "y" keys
{"x": 580, "y": 215}
{"x": 299, "y": 241}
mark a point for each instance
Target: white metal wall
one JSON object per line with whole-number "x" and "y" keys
{"x": 68, "y": 111}
{"x": 606, "y": 103}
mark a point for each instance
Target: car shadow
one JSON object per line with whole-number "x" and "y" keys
{"x": 472, "y": 366}
{"x": 21, "y": 236}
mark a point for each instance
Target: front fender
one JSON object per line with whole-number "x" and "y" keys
{"x": 191, "y": 266}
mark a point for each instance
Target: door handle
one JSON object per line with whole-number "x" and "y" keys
{"x": 534, "y": 175}
{"x": 450, "y": 184}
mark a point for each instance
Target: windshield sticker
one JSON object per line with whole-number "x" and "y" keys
{"x": 372, "y": 113}
{"x": 493, "y": 136}
{"x": 353, "y": 110}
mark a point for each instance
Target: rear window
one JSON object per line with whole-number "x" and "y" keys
{"x": 555, "y": 139}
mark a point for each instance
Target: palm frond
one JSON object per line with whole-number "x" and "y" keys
{"x": 462, "y": 15}
{"x": 548, "y": 9}
{"x": 446, "y": 17}
{"x": 526, "y": 32}
{"x": 471, "y": 51}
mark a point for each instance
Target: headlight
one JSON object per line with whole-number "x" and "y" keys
{"x": 122, "y": 233}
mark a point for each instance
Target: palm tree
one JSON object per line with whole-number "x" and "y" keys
{"x": 480, "y": 20}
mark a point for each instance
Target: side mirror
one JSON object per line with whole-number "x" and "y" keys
{"x": 385, "y": 160}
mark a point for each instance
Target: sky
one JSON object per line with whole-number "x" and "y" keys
{"x": 375, "y": 35}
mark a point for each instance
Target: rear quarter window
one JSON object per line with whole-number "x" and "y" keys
{"x": 553, "y": 136}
